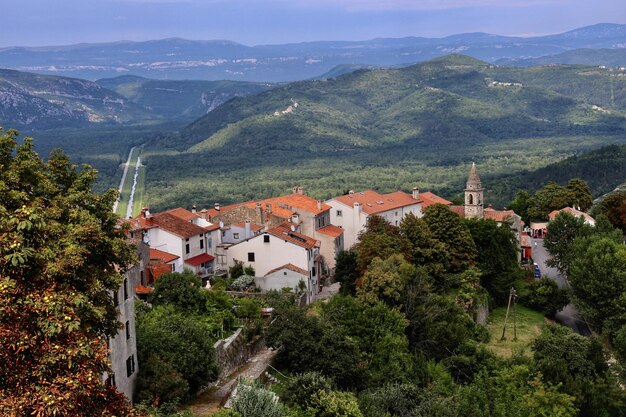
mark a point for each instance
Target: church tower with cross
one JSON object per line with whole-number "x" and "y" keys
{"x": 473, "y": 195}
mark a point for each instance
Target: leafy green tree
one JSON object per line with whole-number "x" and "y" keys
{"x": 405, "y": 400}
{"x": 61, "y": 251}
{"x": 306, "y": 343}
{"x": 581, "y": 193}
{"x": 181, "y": 340}
{"x": 598, "y": 279}
{"x": 551, "y": 197}
{"x": 513, "y": 392}
{"x": 546, "y": 296}
{"x": 300, "y": 389}
{"x": 335, "y": 404}
{"x": 236, "y": 270}
{"x": 579, "y": 365}
{"x": 613, "y": 206}
{"x": 426, "y": 250}
{"x": 497, "y": 257}
{"x": 385, "y": 280}
{"x": 520, "y": 205}
{"x": 159, "y": 382}
{"x": 255, "y": 401}
{"x": 182, "y": 290}
{"x": 346, "y": 271}
{"x": 562, "y": 232}
{"x": 449, "y": 228}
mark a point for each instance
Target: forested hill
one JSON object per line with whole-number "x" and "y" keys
{"x": 180, "y": 100}
{"x": 389, "y": 128}
{"x": 603, "y": 169}
{"x": 455, "y": 98}
{"x": 44, "y": 101}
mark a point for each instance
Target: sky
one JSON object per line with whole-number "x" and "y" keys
{"x": 254, "y": 22}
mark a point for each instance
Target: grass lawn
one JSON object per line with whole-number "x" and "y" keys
{"x": 529, "y": 325}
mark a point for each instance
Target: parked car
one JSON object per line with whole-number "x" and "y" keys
{"x": 537, "y": 271}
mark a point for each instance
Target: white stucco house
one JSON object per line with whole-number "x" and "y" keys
{"x": 280, "y": 250}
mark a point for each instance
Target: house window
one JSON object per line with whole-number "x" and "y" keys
{"x": 223, "y": 233}
{"x": 285, "y": 273}
{"x": 266, "y": 238}
{"x": 201, "y": 243}
{"x": 313, "y": 272}
{"x": 141, "y": 278}
{"x": 125, "y": 289}
{"x": 111, "y": 380}
{"x": 187, "y": 248}
{"x": 127, "y": 329}
{"x": 235, "y": 235}
{"x": 210, "y": 241}
{"x": 396, "y": 214}
{"x": 116, "y": 300}
{"x": 339, "y": 213}
{"x": 250, "y": 256}
{"x": 130, "y": 365}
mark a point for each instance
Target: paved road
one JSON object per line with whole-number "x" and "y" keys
{"x": 126, "y": 165}
{"x": 568, "y": 316}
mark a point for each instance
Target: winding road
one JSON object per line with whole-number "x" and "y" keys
{"x": 568, "y": 316}
{"x": 126, "y": 165}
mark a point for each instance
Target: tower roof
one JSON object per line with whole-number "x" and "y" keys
{"x": 473, "y": 180}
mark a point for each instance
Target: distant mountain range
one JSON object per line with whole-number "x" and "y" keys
{"x": 583, "y": 56}
{"x": 36, "y": 101}
{"x": 218, "y": 60}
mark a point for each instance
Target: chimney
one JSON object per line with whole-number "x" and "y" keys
{"x": 203, "y": 213}
{"x": 217, "y": 206}
{"x": 193, "y": 208}
{"x": 248, "y": 229}
{"x": 350, "y": 192}
{"x": 301, "y": 190}
{"x": 295, "y": 218}
{"x": 294, "y": 190}
{"x": 416, "y": 193}
{"x": 357, "y": 208}
{"x": 259, "y": 208}
{"x": 145, "y": 212}
{"x": 319, "y": 204}
{"x": 268, "y": 208}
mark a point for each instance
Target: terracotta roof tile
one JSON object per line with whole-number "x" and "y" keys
{"x": 498, "y": 215}
{"x": 176, "y": 225}
{"x": 290, "y": 267}
{"x": 159, "y": 255}
{"x": 373, "y": 202}
{"x": 199, "y": 259}
{"x": 142, "y": 289}
{"x": 460, "y": 210}
{"x": 331, "y": 230}
{"x": 182, "y": 213}
{"x": 428, "y": 199}
{"x": 283, "y": 231}
{"x": 253, "y": 227}
{"x": 525, "y": 241}
{"x": 573, "y": 212}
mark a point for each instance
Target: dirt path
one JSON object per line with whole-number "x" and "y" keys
{"x": 209, "y": 402}
{"x": 126, "y": 165}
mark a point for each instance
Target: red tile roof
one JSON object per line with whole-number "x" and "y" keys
{"x": 498, "y": 215}
{"x": 290, "y": 267}
{"x": 253, "y": 227}
{"x": 155, "y": 270}
{"x": 525, "y": 241}
{"x": 373, "y": 202}
{"x": 295, "y": 202}
{"x": 159, "y": 255}
{"x": 223, "y": 209}
{"x": 460, "y": 210}
{"x": 199, "y": 259}
{"x": 182, "y": 213}
{"x": 142, "y": 289}
{"x": 176, "y": 225}
{"x": 428, "y": 199}
{"x": 283, "y": 231}
{"x": 573, "y": 212}
{"x": 331, "y": 230}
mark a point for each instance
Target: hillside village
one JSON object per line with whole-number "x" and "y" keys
{"x": 290, "y": 243}
{"x": 289, "y": 238}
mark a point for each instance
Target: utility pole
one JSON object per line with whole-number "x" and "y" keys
{"x": 514, "y": 313}
{"x": 508, "y": 308}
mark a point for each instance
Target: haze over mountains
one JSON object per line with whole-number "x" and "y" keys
{"x": 217, "y": 60}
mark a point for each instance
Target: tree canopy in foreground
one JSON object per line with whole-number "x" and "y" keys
{"x": 60, "y": 256}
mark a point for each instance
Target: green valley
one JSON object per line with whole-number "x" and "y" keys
{"x": 388, "y": 129}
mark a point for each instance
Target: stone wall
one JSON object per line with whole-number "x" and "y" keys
{"x": 234, "y": 351}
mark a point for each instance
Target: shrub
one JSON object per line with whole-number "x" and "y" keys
{"x": 254, "y": 401}
{"x": 546, "y": 296}
{"x": 301, "y": 389}
{"x": 243, "y": 283}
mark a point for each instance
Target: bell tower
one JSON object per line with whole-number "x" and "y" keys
{"x": 473, "y": 195}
